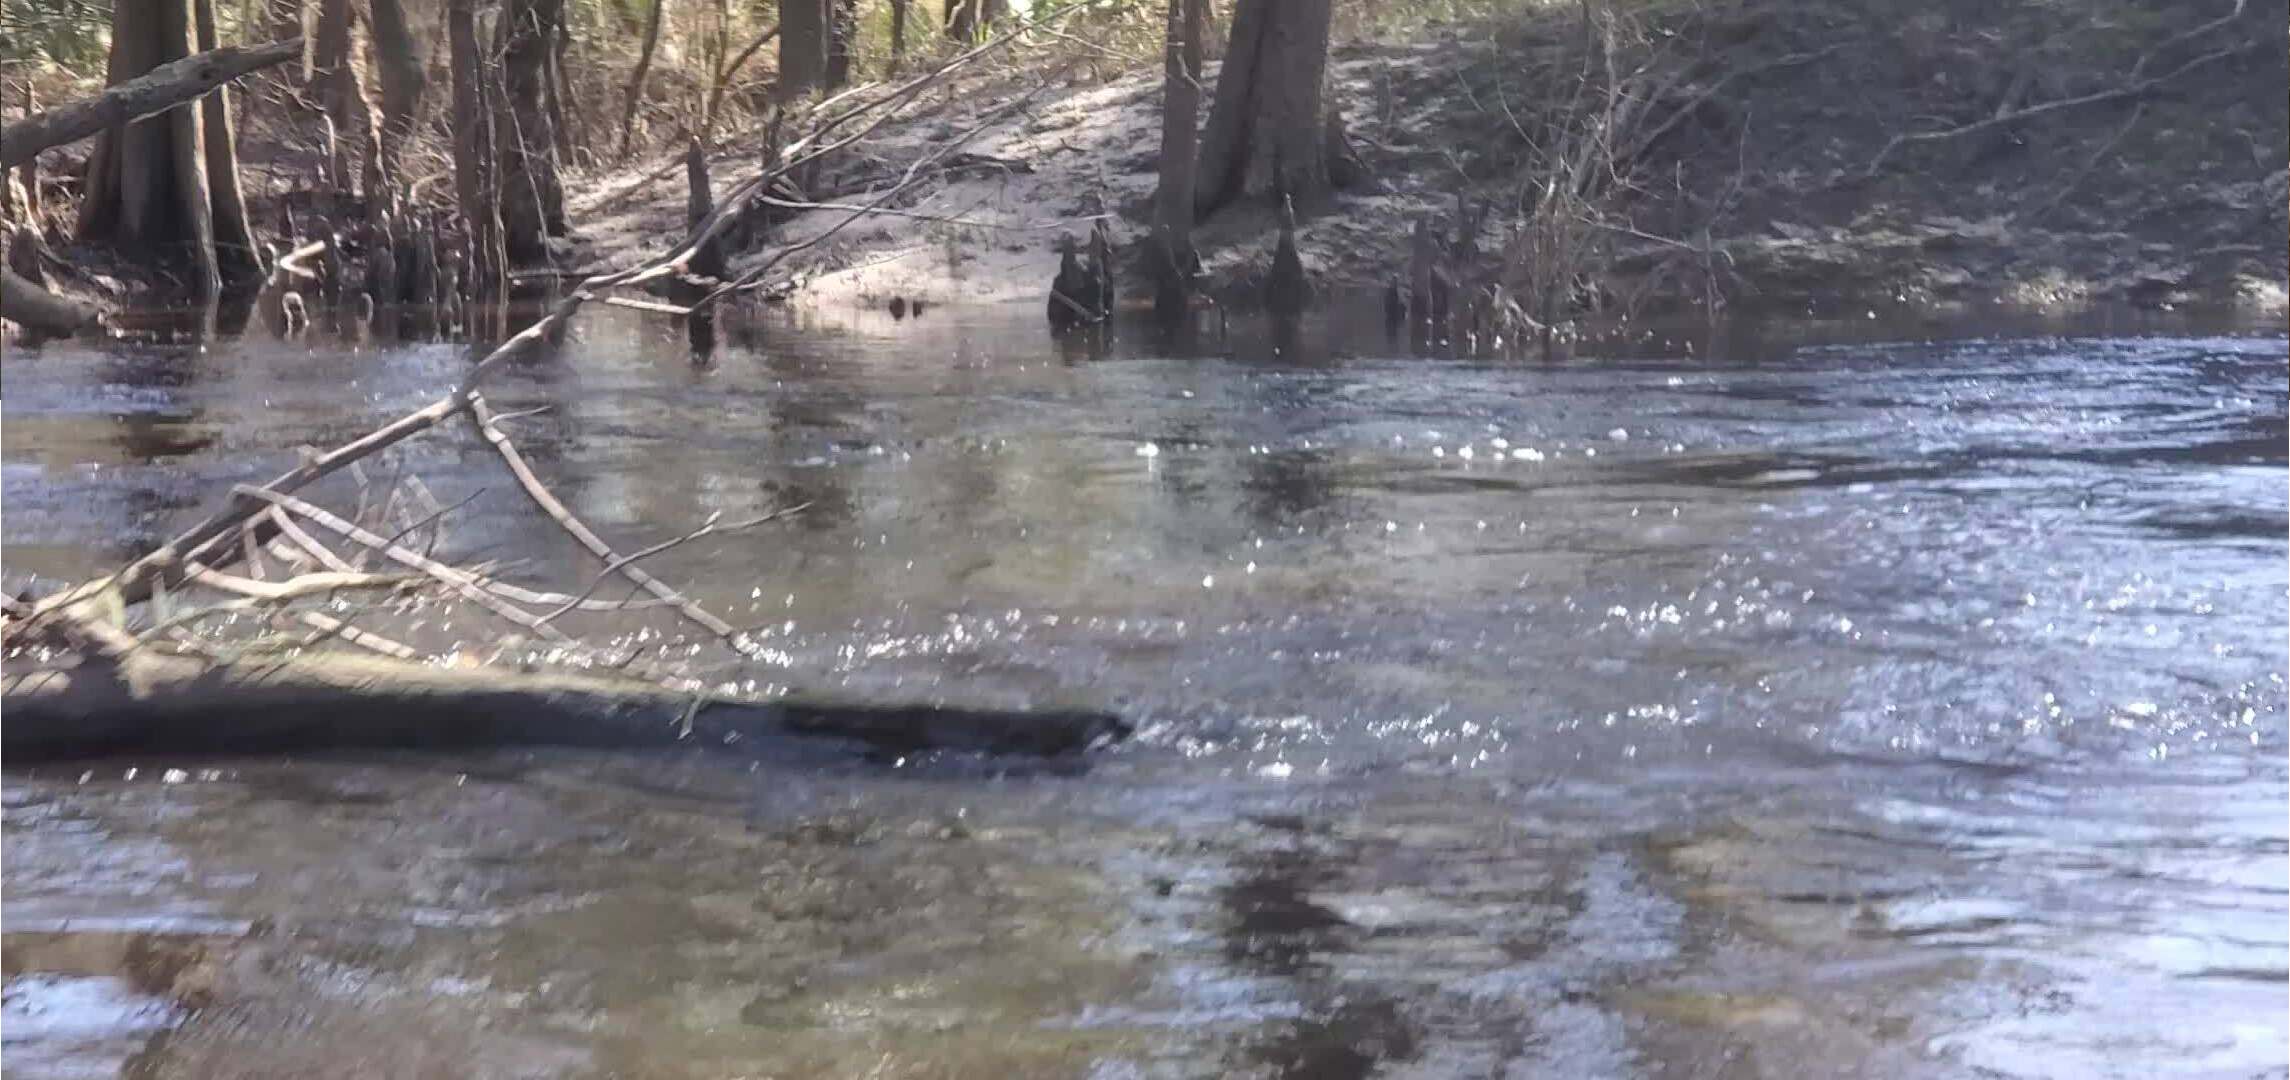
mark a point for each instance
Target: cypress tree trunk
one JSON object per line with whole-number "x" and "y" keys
{"x": 235, "y": 252}
{"x": 473, "y": 172}
{"x": 168, "y": 184}
{"x": 802, "y": 47}
{"x": 842, "y": 34}
{"x": 898, "y": 33}
{"x": 1267, "y": 132}
{"x": 532, "y": 201}
{"x": 404, "y": 81}
{"x": 335, "y": 71}
{"x": 1172, "y": 246}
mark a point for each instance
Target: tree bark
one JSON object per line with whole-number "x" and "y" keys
{"x": 1173, "y": 254}
{"x": 235, "y": 251}
{"x": 842, "y": 35}
{"x": 898, "y": 33}
{"x": 802, "y": 47}
{"x": 967, "y": 19}
{"x": 569, "y": 137}
{"x": 634, "y": 98}
{"x": 140, "y": 97}
{"x": 532, "y": 202}
{"x": 404, "y": 80}
{"x": 1267, "y": 132}
{"x": 473, "y": 173}
{"x": 335, "y": 71}
{"x": 151, "y": 183}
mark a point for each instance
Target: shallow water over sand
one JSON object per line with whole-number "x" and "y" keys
{"x": 1862, "y": 709}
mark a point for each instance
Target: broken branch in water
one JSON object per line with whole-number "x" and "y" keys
{"x": 620, "y": 564}
{"x": 555, "y": 508}
{"x": 460, "y": 581}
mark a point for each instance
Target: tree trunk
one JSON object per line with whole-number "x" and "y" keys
{"x": 967, "y": 19}
{"x": 634, "y": 98}
{"x": 335, "y": 71}
{"x": 898, "y": 33}
{"x": 235, "y": 251}
{"x": 1267, "y": 132}
{"x": 802, "y": 46}
{"x": 404, "y": 81}
{"x": 1172, "y": 247}
{"x": 152, "y": 183}
{"x": 473, "y": 173}
{"x": 842, "y": 34}
{"x": 525, "y": 141}
{"x": 569, "y": 137}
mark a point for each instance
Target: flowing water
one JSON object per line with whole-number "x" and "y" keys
{"x": 1857, "y": 709}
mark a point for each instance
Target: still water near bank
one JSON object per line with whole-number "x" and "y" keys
{"x": 1809, "y": 709}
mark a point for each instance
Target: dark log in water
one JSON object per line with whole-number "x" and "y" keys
{"x": 156, "y": 703}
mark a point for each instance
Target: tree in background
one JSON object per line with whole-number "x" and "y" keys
{"x": 1268, "y": 131}
{"x": 635, "y": 94}
{"x": 334, "y": 71}
{"x": 802, "y": 47}
{"x": 1172, "y": 243}
{"x": 170, "y": 182}
{"x": 898, "y": 33}
{"x": 842, "y": 37}
{"x": 404, "y": 80}
{"x": 474, "y": 183}
{"x": 966, "y": 19}
{"x": 524, "y": 138}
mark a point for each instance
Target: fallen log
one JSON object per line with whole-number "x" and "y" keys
{"x": 163, "y": 88}
{"x": 37, "y": 309}
{"x": 150, "y": 701}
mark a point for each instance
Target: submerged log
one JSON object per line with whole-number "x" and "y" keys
{"x": 150, "y": 702}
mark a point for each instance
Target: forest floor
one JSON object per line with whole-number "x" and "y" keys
{"x": 2123, "y": 151}
{"x": 1777, "y": 178}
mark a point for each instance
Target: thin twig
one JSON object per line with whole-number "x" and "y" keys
{"x": 623, "y": 562}
{"x": 555, "y": 508}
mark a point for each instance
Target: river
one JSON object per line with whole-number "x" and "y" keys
{"x": 1822, "y": 701}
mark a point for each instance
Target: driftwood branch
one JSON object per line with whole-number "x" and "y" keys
{"x": 163, "y": 88}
